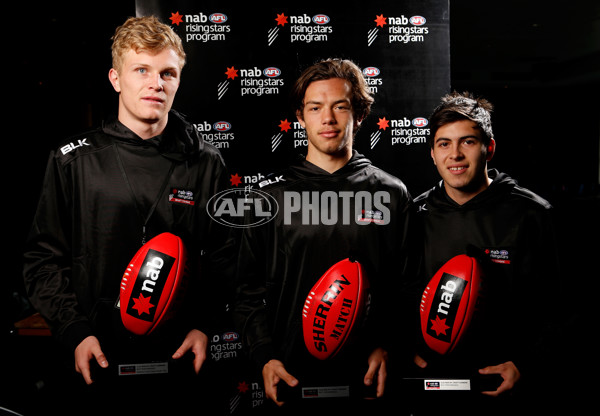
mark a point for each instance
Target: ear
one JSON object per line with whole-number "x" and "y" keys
{"x": 113, "y": 77}
{"x": 432, "y": 158}
{"x": 357, "y": 124}
{"x": 491, "y": 149}
{"x": 300, "y": 119}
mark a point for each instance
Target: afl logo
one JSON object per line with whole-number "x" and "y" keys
{"x": 242, "y": 208}
{"x": 230, "y": 336}
{"x": 371, "y": 71}
{"x": 272, "y": 72}
{"x": 417, "y": 20}
{"x": 222, "y": 126}
{"x": 218, "y": 18}
{"x": 420, "y": 122}
{"x": 320, "y": 19}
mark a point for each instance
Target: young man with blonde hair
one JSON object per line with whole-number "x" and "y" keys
{"x": 111, "y": 189}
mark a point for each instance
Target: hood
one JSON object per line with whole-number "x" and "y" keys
{"x": 179, "y": 141}
{"x": 502, "y": 184}
{"x": 305, "y": 169}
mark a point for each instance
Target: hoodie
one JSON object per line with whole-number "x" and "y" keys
{"x": 358, "y": 212}
{"x": 510, "y": 230}
{"x": 105, "y": 193}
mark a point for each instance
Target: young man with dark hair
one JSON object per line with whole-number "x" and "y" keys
{"x": 484, "y": 213}
{"x": 281, "y": 260}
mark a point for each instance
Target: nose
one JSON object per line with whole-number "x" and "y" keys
{"x": 455, "y": 152}
{"x": 156, "y": 82}
{"x": 328, "y": 116}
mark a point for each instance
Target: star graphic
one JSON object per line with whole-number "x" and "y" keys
{"x": 142, "y": 304}
{"x": 176, "y": 18}
{"x": 439, "y": 325}
{"x": 235, "y": 180}
{"x": 281, "y": 19}
{"x": 383, "y": 123}
{"x": 242, "y": 387}
{"x": 380, "y": 20}
{"x": 285, "y": 125}
{"x": 231, "y": 73}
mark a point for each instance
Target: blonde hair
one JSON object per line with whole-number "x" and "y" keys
{"x": 144, "y": 34}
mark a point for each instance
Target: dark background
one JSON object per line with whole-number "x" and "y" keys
{"x": 538, "y": 64}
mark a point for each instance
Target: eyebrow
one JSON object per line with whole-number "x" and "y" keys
{"x": 342, "y": 100}
{"x": 468, "y": 136}
{"x": 146, "y": 65}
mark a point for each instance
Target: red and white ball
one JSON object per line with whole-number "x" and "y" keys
{"x": 334, "y": 308}
{"x": 152, "y": 286}
{"x": 449, "y": 303}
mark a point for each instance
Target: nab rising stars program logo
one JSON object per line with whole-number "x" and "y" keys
{"x": 253, "y": 81}
{"x": 201, "y": 27}
{"x": 403, "y": 131}
{"x": 297, "y": 131}
{"x": 218, "y": 134}
{"x": 373, "y": 78}
{"x": 302, "y": 28}
{"x": 400, "y": 29}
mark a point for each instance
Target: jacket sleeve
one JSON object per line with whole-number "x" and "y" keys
{"x": 400, "y": 271}
{"x": 249, "y": 309}
{"x": 48, "y": 260}
{"x": 535, "y": 283}
{"x": 217, "y": 265}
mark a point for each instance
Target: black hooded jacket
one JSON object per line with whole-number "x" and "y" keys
{"x": 510, "y": 230}
{"x": 281, "y": 260}
{"x": 105, "y": 192}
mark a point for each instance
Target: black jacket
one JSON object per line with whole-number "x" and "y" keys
{"x": 104, "y": 193}
{"x": 281, "y": 260}
{"x": 510, "y": 229}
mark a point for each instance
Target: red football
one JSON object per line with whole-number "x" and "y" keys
{"x": 153, "y": 284}
{"x": 449, "y": 302}
{"x": 334, "y": 307}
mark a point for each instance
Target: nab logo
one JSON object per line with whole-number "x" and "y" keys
{"x": 272, "y": 72}
{"x": 153, "y": 268}
{"x": 222, "y": 126}
{"x": 447, "y": 300}
{"x": 218, "y": 18}
{"x": 371, "y": 71}
{"x": 320, "y": 19}
{"x": 417, "y": 20}
{"x": 420, "y": 122}
{"x": 151, "y": 280}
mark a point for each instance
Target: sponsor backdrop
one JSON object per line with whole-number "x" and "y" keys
{"x": 242, "y": 62}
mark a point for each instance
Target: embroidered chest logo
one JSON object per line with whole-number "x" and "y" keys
{"x": 498, "y": 255}
{"x": 368, "y": 215}
{"x": 182, "y": 196}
